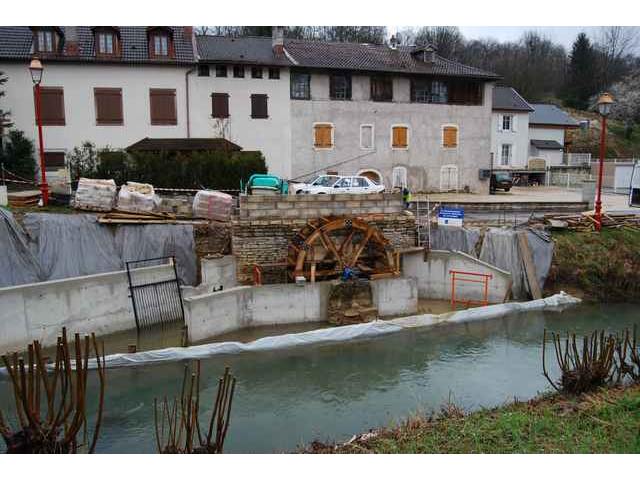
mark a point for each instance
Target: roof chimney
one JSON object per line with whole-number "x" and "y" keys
{"x": 277, "y": 40}
{"x": 71, "y": 45}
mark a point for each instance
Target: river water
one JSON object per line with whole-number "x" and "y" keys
{"x": 288, "y": 398}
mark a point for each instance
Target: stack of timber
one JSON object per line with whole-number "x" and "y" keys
{"x": 27, "y": 198}
{"x": 119, "y": 216}
{"x": 586, "y": 222}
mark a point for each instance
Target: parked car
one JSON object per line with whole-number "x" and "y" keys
{"x": 501, "y": 181}
{"x": 263, "y": 184}
{"x": 321, "y": 184}
{"x": 356, "y": 184}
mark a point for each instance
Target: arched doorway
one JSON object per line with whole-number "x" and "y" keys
{"x": 371, "y": 174}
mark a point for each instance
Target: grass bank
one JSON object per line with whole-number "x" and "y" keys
{"x": 604, "y": 422}
{"x": 602, "y": 267}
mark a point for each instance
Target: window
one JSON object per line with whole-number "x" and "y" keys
{"x": 220, "y": 105}
{"x": 400, "y": 137}
{"x": 238, "y": 71}
{"x": 256, "y": 72}
{"x": 54, "y": 160}
{"x": 450, "y": 136}
{"x": 506, "y": 123}
{"x": 259, "y": 106}
{"x": 203, "y": 70}
{"x": 52, "y": 106}
{"x": 343, "y": 183}
{"x": 428, "y": 91}
{"x": 221, "y": 70}
{"x": 160, "y": 44}
{"x": 340, "y": 87}
{"x": 108, "y": 106}
{"x": 300, "y": 86}
{"x": 274, "y": 73}
{"x": 464, "y": 92}
{"x": 381, "y": 89}
{"x": 163, "y": 106}
{"x": 359, "y": 182}
{"x": 106, "y": 43}
{"x": 399, "y": 177}
{"x": 449, "y": 178}
{"x": 323, "y": 135}
{"x": 505, "y": 154}
{"x": 45, "y": 41}
{"x": 366, "y": 137}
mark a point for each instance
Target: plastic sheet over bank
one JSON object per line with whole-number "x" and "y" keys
{"x": 336, "y": 334}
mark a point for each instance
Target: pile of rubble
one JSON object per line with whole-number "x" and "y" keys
{"x": 586, "y": 222}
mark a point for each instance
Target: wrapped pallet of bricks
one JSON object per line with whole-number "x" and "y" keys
{"x": 95, "y": 195}
{"x": 212, "y": 205}
{"x": 138, "y": 197}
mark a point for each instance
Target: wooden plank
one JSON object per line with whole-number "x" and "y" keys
{"x": 529, "y": 266}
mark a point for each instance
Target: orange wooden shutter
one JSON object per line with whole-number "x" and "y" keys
{"x": 323, "y": 136}
{"x": 450, "y": 137}
{"x": 399, "y": 137}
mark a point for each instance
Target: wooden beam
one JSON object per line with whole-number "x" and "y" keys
{"x": 529, "y": 266}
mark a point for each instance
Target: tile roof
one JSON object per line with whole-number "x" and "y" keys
{"x": 183, "y": 144}
{"x": 547, "y": 114}
{"x": 330, "y": 55}
{"x": 546, "y": 144}
{"x": 253, "y": 50}
{"x": 506, "y": 98}
{"x": 16, "y": 44}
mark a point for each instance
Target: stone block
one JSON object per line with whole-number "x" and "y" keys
{"x": 284, "y": 205}
{"x": 353, "y": 204}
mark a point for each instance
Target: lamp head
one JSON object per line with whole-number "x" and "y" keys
{"x": 36, "y": 68}
{"x": 605, "y": 102}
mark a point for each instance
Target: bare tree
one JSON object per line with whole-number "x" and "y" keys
{"x": 616, "y": 44}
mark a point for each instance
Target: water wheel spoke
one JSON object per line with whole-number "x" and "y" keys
{"x": 360, "y": 247}
{"x": 330, "y": 246}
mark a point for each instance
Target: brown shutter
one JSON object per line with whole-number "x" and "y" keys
{"x": 322, "y": 134}
{"x": 163, "y": 106}
{"x": 220, "y": 105}
{"x": 53, "y": 160}
{"x": 399, "y": 139}
{"x": 259, "y": 106}
{"x": 108, "y": 106}
{"x": 52, "y": 105}
{"x": 450, "y": 137}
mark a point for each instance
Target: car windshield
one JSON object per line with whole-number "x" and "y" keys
{"x": 325, "y": 181}
{"x": 503, "y": 176}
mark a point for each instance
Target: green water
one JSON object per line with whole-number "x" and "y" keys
{"x": 288, "y": 398}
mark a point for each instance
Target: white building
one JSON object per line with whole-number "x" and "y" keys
{"x": 403, "y": 116}
{"x": 522, "y": 132}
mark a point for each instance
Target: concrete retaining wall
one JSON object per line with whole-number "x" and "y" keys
{"x": 253, "y": 207}
{"x": 213, "y": 314}
{"x": 433, "y": 278}
{"x": 219, "y": 272}
{"x": 94, "y": 303}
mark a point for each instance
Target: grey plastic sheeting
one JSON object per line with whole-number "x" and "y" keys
{"x": 500, "y": 248}
{"x": 455, "y": 239}
{"x": 62, "y": 246}
{"x": 137, "y": 242}
{"x": 18, "y": 265}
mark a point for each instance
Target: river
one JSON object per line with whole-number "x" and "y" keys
{"x": 288, "y": 398}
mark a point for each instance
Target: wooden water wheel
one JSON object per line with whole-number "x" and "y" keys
{"x": 326, "y": 246}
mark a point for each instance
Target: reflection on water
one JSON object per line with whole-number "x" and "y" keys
{"x": 287, "y": 398}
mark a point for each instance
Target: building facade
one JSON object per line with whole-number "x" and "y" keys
{"x": 403, "y": 116}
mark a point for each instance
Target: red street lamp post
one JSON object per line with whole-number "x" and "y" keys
{"x": 605, "y": 102}
{"x": 35, "y": 68}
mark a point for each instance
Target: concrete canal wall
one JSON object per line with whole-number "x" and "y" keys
{"x": 94, "y": 303}
{"x": 212, "y": 314}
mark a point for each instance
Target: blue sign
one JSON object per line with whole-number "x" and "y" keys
{"x": 450, "y": 216}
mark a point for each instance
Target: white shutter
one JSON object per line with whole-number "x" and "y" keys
{"x": 499, "y": 122}
{"x": 514, "y": 123}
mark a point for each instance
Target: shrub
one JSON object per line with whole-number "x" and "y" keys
{"x": 18, "y": 155}
{"x": 83, "y": 161}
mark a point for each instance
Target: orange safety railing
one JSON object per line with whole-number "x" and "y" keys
{"x": 469, "y": 277}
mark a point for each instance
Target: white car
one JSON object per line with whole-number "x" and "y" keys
{"x": 322, "y": 184}
{"x": 356, "y": 184}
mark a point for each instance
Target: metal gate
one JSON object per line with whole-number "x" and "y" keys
{"x": 155, "y": 293}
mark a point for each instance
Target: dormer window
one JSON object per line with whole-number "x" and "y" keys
{"x": 106, "y": 41}
{"x": 45, "y": 41}
{"x": 160, "y": 43}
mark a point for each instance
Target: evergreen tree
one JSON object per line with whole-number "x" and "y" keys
{"x": 582, "y": 75}
{"x": 4, "y": 115}
{"x": 17, "y": 156}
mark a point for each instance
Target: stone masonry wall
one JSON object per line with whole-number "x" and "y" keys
{"x": 253, "y": 207}
{"x": 266, "y": 241}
